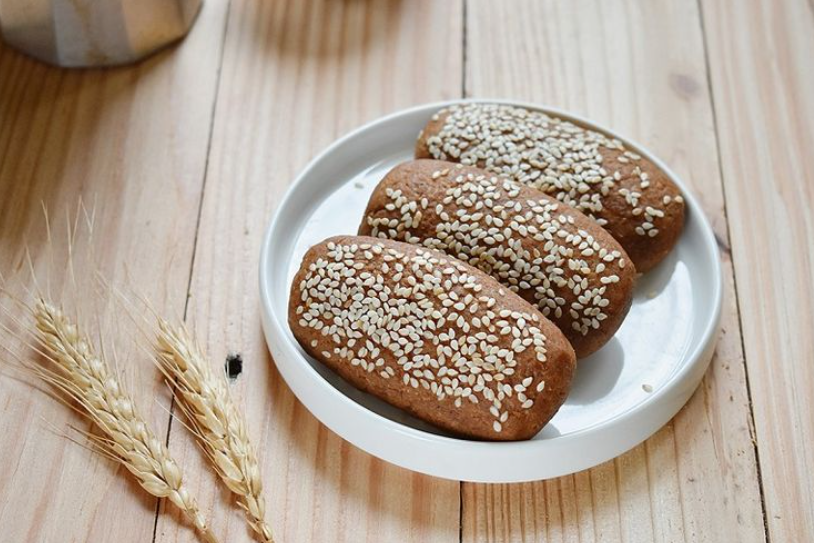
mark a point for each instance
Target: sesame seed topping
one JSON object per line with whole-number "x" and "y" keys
{"x": 566, "y": 161}
{"x": 409, "y": 325}
{"x": 523, "y": 240}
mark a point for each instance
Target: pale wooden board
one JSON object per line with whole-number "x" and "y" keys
{"x": 760, "y": 58}
{"x": 132, "y": 142}
{"x": 638, "y": 67}
{"x": 295, "y": 76}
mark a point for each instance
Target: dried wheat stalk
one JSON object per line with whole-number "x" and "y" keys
{"x": 214, "y": 419}
{"x": 87, "y": 378}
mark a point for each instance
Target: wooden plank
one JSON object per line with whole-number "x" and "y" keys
{"x": 133, "y": 142}
{"x": 762, "y": 77}
{"x": 639, "y": 67}
{"x": 295, "y": 76}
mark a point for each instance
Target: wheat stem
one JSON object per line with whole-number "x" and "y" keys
{"x": 215, "y": 420}
{"x": 87, "y": 378}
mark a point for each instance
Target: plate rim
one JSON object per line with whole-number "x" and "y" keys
{"x": 690, "y": 372}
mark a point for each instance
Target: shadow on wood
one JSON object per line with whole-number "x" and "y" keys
{"x": 52, "y": 119}
{"x": 323, "y": 30}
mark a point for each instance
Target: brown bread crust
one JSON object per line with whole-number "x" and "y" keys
{"x": 637, "y": 186}
{"x": 431, "y": 335}
{"x": 567, "y": 279}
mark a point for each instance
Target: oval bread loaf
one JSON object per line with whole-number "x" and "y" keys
{"x": 430, "y": 335}
{"x": 550, "y": 254}
{"x": 624, "y": 192}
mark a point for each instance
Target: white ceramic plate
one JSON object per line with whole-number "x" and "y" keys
{"x": 621, "y": 394}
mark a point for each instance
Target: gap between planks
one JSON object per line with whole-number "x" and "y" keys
{"x": 729, "y": 249}
{"x": 171, "y": 413}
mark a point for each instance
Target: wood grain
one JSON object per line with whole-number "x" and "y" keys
{"x": 131, "y": 143}
{"x": 762, "y": 79}
{"x": 640, "y": 68}
{"x": 295, "y": 76}
{"x": 134, "y": 143}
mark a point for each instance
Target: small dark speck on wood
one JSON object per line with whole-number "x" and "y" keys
{"x": 233, "y": 365}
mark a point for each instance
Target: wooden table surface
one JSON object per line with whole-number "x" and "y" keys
{"x": 186, "y": 156}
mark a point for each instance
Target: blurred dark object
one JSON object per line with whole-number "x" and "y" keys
{"x": 86, "y": 33}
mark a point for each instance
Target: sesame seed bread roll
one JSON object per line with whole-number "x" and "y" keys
{"x": 550, "y": 254}
{"x": 430, "y": 335}
{"x": 594, "y": 173}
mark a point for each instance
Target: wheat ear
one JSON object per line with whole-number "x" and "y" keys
{"x": 215, "y": 420}
{"x": 87, "y": 378}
